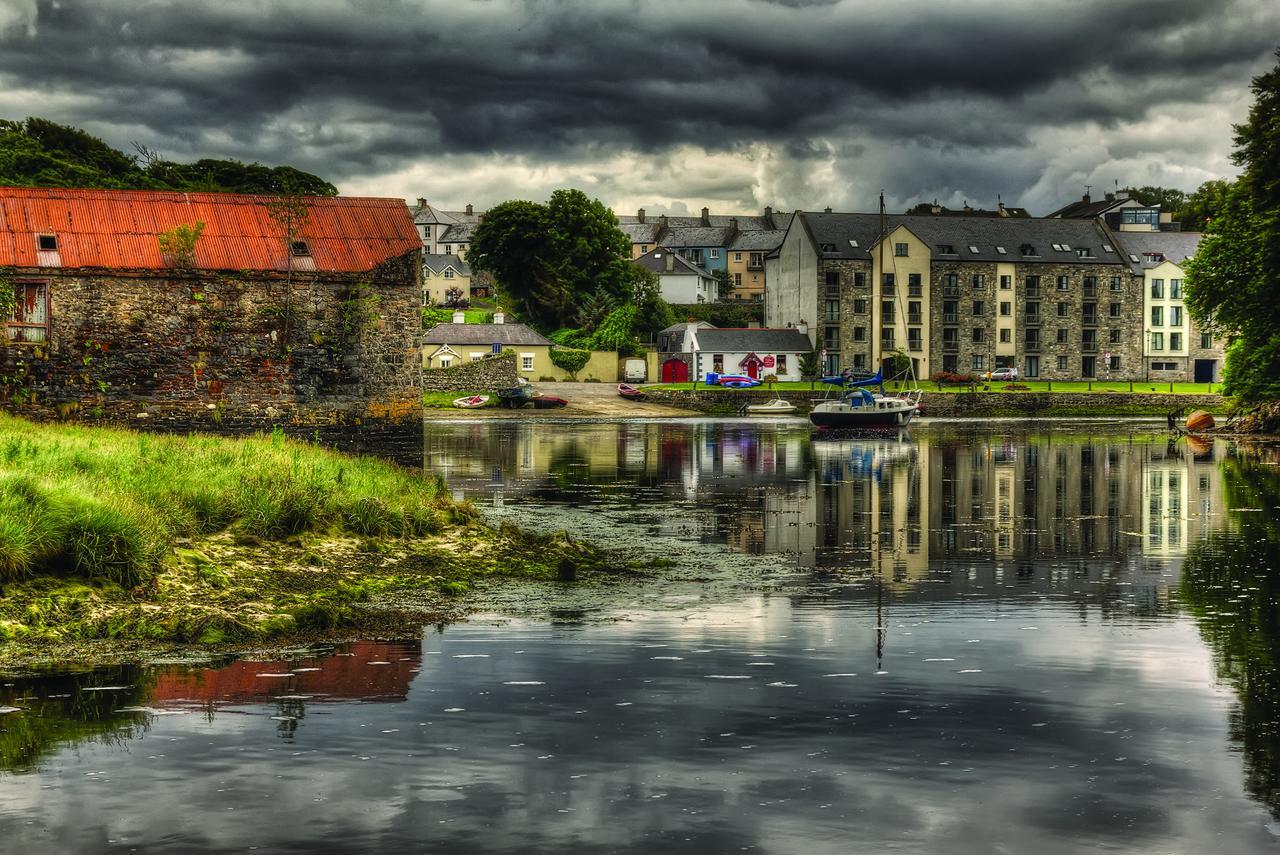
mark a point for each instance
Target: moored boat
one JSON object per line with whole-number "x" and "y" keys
{"x": 471, "y": 402}
{"x": 861, "y": 408}
{"x": 776, "y": 407}
{"x": 631, "y": 393}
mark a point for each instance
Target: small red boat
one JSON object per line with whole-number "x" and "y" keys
{"x": 631, "y": 393}
{"x": 548, "y": 402}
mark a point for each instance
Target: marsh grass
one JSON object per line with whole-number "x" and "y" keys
{"x": 108, "y": 505}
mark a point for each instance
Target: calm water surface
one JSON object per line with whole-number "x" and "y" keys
{"x": 979, "y": 640}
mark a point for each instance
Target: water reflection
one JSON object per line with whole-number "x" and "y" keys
{"x": 982, "y": 641}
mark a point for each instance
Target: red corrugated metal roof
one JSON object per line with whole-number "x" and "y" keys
{"x": 119, "y": 229}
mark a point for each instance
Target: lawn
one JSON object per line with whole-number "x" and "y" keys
{"x": 1033, "y": 386}
{"x": 444, "y": 400}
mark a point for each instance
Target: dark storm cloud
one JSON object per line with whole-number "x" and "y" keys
{"x": 361, "y": 87}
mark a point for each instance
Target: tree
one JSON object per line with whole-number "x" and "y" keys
{"x": 1168, "y": 198}
{"x": 550, "y": 260}
{"x": 653, "y": 314}
{"x": 810, "y": 364}
{"x": 570, "y": 360}
{"x": 1202, "y": 206}
{"x": 290, "y": 212}
{"x": 1233, "y": 283}
{"x": 178, "y": 244}
{"x": 722, "y": 285}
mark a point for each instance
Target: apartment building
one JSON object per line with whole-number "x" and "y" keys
{"x": 1055, "y": 299}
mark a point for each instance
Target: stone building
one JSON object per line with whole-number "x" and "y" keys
{"x": 245, "y": 330}
{"x": 1053, "y": 298}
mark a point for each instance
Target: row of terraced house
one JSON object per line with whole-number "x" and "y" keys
{"x": 1093, "y": 291}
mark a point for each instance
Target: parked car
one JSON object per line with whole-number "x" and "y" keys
{"x": 1005, "y": 374}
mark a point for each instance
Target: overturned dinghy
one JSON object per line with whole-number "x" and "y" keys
{"x": 472, "y": 402}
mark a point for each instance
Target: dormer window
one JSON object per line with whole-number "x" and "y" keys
{"x": 828, "y": 247}
{"x": 1028, "y": 250}
{"x": 47, "y": 243}
{"x": 299, "y": 249}
{"x": 946, "y": 249}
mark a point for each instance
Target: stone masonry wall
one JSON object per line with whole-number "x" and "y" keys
{"x": 333, "y": 355}
{"x": 497, "y": 372}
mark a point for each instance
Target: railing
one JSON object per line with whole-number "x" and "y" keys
{"x": 1032, "y": 347}
{"x": 1032, "y": 319}
{"x": 1089, "y": 320}
{"x": 1033, "y": 290}
{"x": 915, "y": 291}
{"x": 887, "y": 290}
{"x": 950, "y": 346}
{"x": 915, "y": 317}
{"x": 951, "y": 318}
{"x": 915, "y": 345}
{"x": 951, "y": 290}
{"x": 1089, "y": 347}
{"x": 755, "y": 265}
{"x": 1091, "y": 290}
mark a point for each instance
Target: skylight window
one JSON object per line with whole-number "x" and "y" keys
{"x": 1133, "y": 258}
{"x": 1066, "y": 247}
{"x": 299, "y": 249}
{"x": 974, "y": 250}
{"x": 1058, "y": 247}
{"x": 1000, "y": 250}
{"x": 853, "y": 243}
{"x": 1106, "y": 247}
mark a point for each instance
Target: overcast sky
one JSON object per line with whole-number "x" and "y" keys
{"x": 734, "y": 104}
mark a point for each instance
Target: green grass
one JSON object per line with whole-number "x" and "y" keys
{"x": 1034, "y": 386}
{"x": 109, "y": 505}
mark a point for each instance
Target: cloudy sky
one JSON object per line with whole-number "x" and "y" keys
{"x": 664, "y": 104}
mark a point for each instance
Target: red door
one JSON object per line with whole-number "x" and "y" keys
{"x": 675, "y": 371}
{"x": 752, "y": 366}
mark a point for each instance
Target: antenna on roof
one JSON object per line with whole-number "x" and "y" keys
{"x": 1087, "y": 189}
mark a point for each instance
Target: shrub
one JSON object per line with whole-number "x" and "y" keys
{"x": 571, "y": 361}
{"x": 943, "y": 378}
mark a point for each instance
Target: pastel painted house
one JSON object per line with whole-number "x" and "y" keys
{"x": 754, "y": 352}
{"x": 443, "y": 274}
{"x": 680, "y": 280}
{"x": 447, "y": 345}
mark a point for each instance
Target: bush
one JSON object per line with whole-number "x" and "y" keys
{"x": 571, "y": 361}
{"x": 951, "y": 378}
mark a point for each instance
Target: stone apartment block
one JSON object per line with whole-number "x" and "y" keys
{"x": 1055, "y": 299}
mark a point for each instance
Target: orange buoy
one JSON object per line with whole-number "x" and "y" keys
{"x": 1200, "y": 420}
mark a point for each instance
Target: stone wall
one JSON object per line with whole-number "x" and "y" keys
{"x": 230, "y": 352}
{"x": 495, "y": 372}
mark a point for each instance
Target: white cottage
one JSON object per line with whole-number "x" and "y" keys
{"x": 681, "y": 281}
{"x": 754, "y": 352}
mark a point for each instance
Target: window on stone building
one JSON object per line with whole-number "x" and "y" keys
{"x": 1157, "y": 316}
{"x": 1062, "y": 363}
{"x": 950, "y": 310}
{"x": 950, "y": 362}
{"x": 1114, "y": 336}
{"x": 979, "y": 307}
{"x": 1116, "y": 284}
{"x": 1006, "y": 282}
{"x": 1116, "y": 309}
{"x": 1063, "y": 283}
{"x": 1033, "y": 339}
{"x": 1033, "y": 366}
{"x": 979, "y": 335}
{"x": 900, "y": 249}
{"x": 950, "y": 280}
{"x": 979, "y": 282}
{"x": 1113, "y": 364}
{"x": 1033, "y": 312}
{"x": 860, "y": 279}
{"x": 30, "y": 319}
{"x": 1206, "y": 340}
{"x": 859, "y": 307}
{"x": 833, "y": 310}
{"x": 833, "y": 279}
{"x": 859, "y": 360}
{"x": 979, "y": 362}
{"x": 1062, "y": 335}
{"x": 1006, "y": 335}
{"x": 1063, "y": 308}
{"x": 859, "y": 333}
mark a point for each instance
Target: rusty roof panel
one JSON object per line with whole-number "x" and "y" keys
{"x": 120, "y": 228}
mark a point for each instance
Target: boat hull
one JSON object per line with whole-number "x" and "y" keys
{"x": 858, "y": 417}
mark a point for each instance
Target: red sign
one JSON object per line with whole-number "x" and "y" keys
{"x": 768, "y": 362}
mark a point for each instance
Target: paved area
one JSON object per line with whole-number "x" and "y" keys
{"x": 586, "y": 400}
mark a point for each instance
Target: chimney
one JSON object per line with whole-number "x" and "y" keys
{"x": 499, "y": 317}
{"x": 671, "y": 262}
{"x": 826, "y": 210}
{"x": 459, "y": 317}
{"x": 768, "y": 216}
{"x": 1085, "y": 198}
{"x": 1000, "y": 208}
{"x": 469, "y": 210}
{"x": 1122, "y": 194}
{"x": 422, "y": 203}
{"x": 662, "y": 221}
{"x": 802, "y": 327}
{"x": 640, "y": 215}
{"x": 706, "y": 217}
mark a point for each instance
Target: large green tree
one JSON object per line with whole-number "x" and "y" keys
{"x": 564, "y": 264}
{"x": 1203, "y": 205}
{"x": 1169, "y": 199}
{"x": 1233, "y": 283}
{"x": 40, "y": 153}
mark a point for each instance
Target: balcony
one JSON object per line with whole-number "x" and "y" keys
{"x": 1032, "y": 347}
{"x": 915, "y": 345}
{"x": 1089, "y": 347}
{"x": 950, "y": 318}
{"x": 915, "y": 291}
{"x": 951, "y": 290}
{"x": 1033, "y": 291}
{"x": 915, "y": 317}
{"x": 888, "y": 290}
{"x": 1091, "y": 290}
{"x": 755, "y": 265}
{"x": 1089, "y": 320}
{"x": 950, "y": 346}
{"x": 1032, "y": 319}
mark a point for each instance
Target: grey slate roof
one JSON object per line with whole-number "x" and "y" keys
{"x": 1174, "y": 246}
{"x": 753, "y": 341}
{"x": 696, "y": 236}
{"x": 485, "y": 334}
{"x": 1081, "y": 209}
{"x": 457, "y": 233}
{"x": 960, "y": 233}
{"x": 641, "y": 232}
{"x": 680, "y": 327}
{"x": 436, "y": 263}
{"x": 656, "y": 261}
{"x": 758, "y": 241}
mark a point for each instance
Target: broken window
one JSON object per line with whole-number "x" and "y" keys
{"x": 299, "y": 249}
{"x": 30, "y": 319}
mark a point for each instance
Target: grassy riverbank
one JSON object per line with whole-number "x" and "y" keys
{"x": 113, "y": 534}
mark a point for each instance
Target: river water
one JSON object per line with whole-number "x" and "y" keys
{"x": 966, "y": 640}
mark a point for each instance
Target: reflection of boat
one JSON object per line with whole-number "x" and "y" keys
{"x": 631, "y": 393}
{"x": 861, "y": 408}
{"x": 776, "y": 407}
{"x": 472, "y": 402}
{"x": 867, "y": 452}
